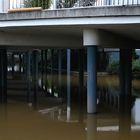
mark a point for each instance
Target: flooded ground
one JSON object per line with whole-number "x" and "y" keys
{"x": 50, "y": 119}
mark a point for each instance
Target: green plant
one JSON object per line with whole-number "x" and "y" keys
{"x": 113, "y": 67}
{"x": 136, "y": 65}
{"x": 45, "y": 4}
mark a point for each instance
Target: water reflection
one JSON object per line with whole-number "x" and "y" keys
{"x": 53, "y": 121}
{"x": 136, "y": 111}
{"x": 21, "y": 121}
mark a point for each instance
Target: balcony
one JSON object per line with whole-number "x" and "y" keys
{"x": 30, "y": 5}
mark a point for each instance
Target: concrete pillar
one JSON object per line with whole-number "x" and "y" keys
{"x": 24, "y": 62}
{"x": 91, "y": 80}
{"x": 28, "y": 68}
{"x": 13, "y": 63}
{"x": 52, "y": 60}
{"x": 68, "y": 79}
{"x": 3, "y": 75}
{"x": 59, "y": 71}
{"x": 20, "y": 63}
{"x": 81, "y": 76}
{"x": 45, "y": 69}
{"x": 35, "y": 75}
{"x": 42, "y": 68}
{"x": 125, "y": 79}
{"x": 91, "y": 41}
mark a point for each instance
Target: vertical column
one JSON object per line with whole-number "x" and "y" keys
{"x": 91, "y": 41}
{"x": 68, "y": 80}
{"x": 91, "y": 80}
{"x": 46, "y": 70}
{"x": 28, "y": 68}
{"x": 81, "y": 84}
{"x": 59, "y": 71}
{"x": 13, "y": 63}
{"x": 52, "y": 74}
{"x": 3, "y": 75}
{"x": 35, "y": 75}
{"x": 20, "y": 63}
{"x": 81, "y": 74}
{"x": 42, "y": 68}
{"x": 24, "y": 63}
{"x": 125, "y": 79}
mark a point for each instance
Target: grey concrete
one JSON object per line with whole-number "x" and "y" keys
{"x": 91, "y": 79}
{"x": 68, "y": 79}
{"x": 77, "y": 12}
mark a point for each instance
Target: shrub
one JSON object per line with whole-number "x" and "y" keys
{"x": 136, "y": 65}
{"x": 45, "y": 4}
{"x": 113, "y": 67}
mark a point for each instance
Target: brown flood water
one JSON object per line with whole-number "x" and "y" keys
{"x": 20, "y": 121}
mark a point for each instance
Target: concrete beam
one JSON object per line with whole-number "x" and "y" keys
{"x": 39, "y": 41}
{"x": 77, "y": 12}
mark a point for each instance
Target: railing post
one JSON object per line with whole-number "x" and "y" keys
{"x": 53, "y": 5}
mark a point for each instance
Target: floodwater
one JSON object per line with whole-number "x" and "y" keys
{"x": 53, "y": 121}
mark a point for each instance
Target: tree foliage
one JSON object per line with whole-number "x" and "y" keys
{"x": 45, "y": 4}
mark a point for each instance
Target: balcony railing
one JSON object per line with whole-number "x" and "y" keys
{"x": 57, "y": 4}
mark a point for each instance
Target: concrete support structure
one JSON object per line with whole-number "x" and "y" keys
{"x": 28, "y": 69}
{"x": 35, "y": 75}
{"x": 60, "y": 70}
{"x": 13, "y": 63}
{"x": 81, "y": 76}
{"x": 42, "y": 68}
{"x": 91, "y": 41}
{"x": 125, "y": 79}
{"x": 91, "y": 80}
{"x": 45, "y": 69}
{"x": 68, "y": 80}
{"x": 52, "y": 61}
{"x": 3, "y": 75}
{"x": 20, "y": 63}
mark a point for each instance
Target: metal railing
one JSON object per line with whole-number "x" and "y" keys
{"x": 97, "y": 3}
{"x": 56, "y": 4}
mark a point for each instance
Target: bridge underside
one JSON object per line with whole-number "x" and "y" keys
{"x": 74, "y": 33}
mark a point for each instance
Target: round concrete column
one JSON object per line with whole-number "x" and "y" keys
{"x": 125, "y": 80}
{"x": 91, "y": 41}
{"x": 60, "y": 71}
{"x": 91, "y": 80}
{"x": 28, "y": 70}
{"x": 68, "y": 79}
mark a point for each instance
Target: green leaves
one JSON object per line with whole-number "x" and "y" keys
{"x": 45, "y": 4}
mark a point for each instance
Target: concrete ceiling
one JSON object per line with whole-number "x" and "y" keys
{"x": 130, "y": 31}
